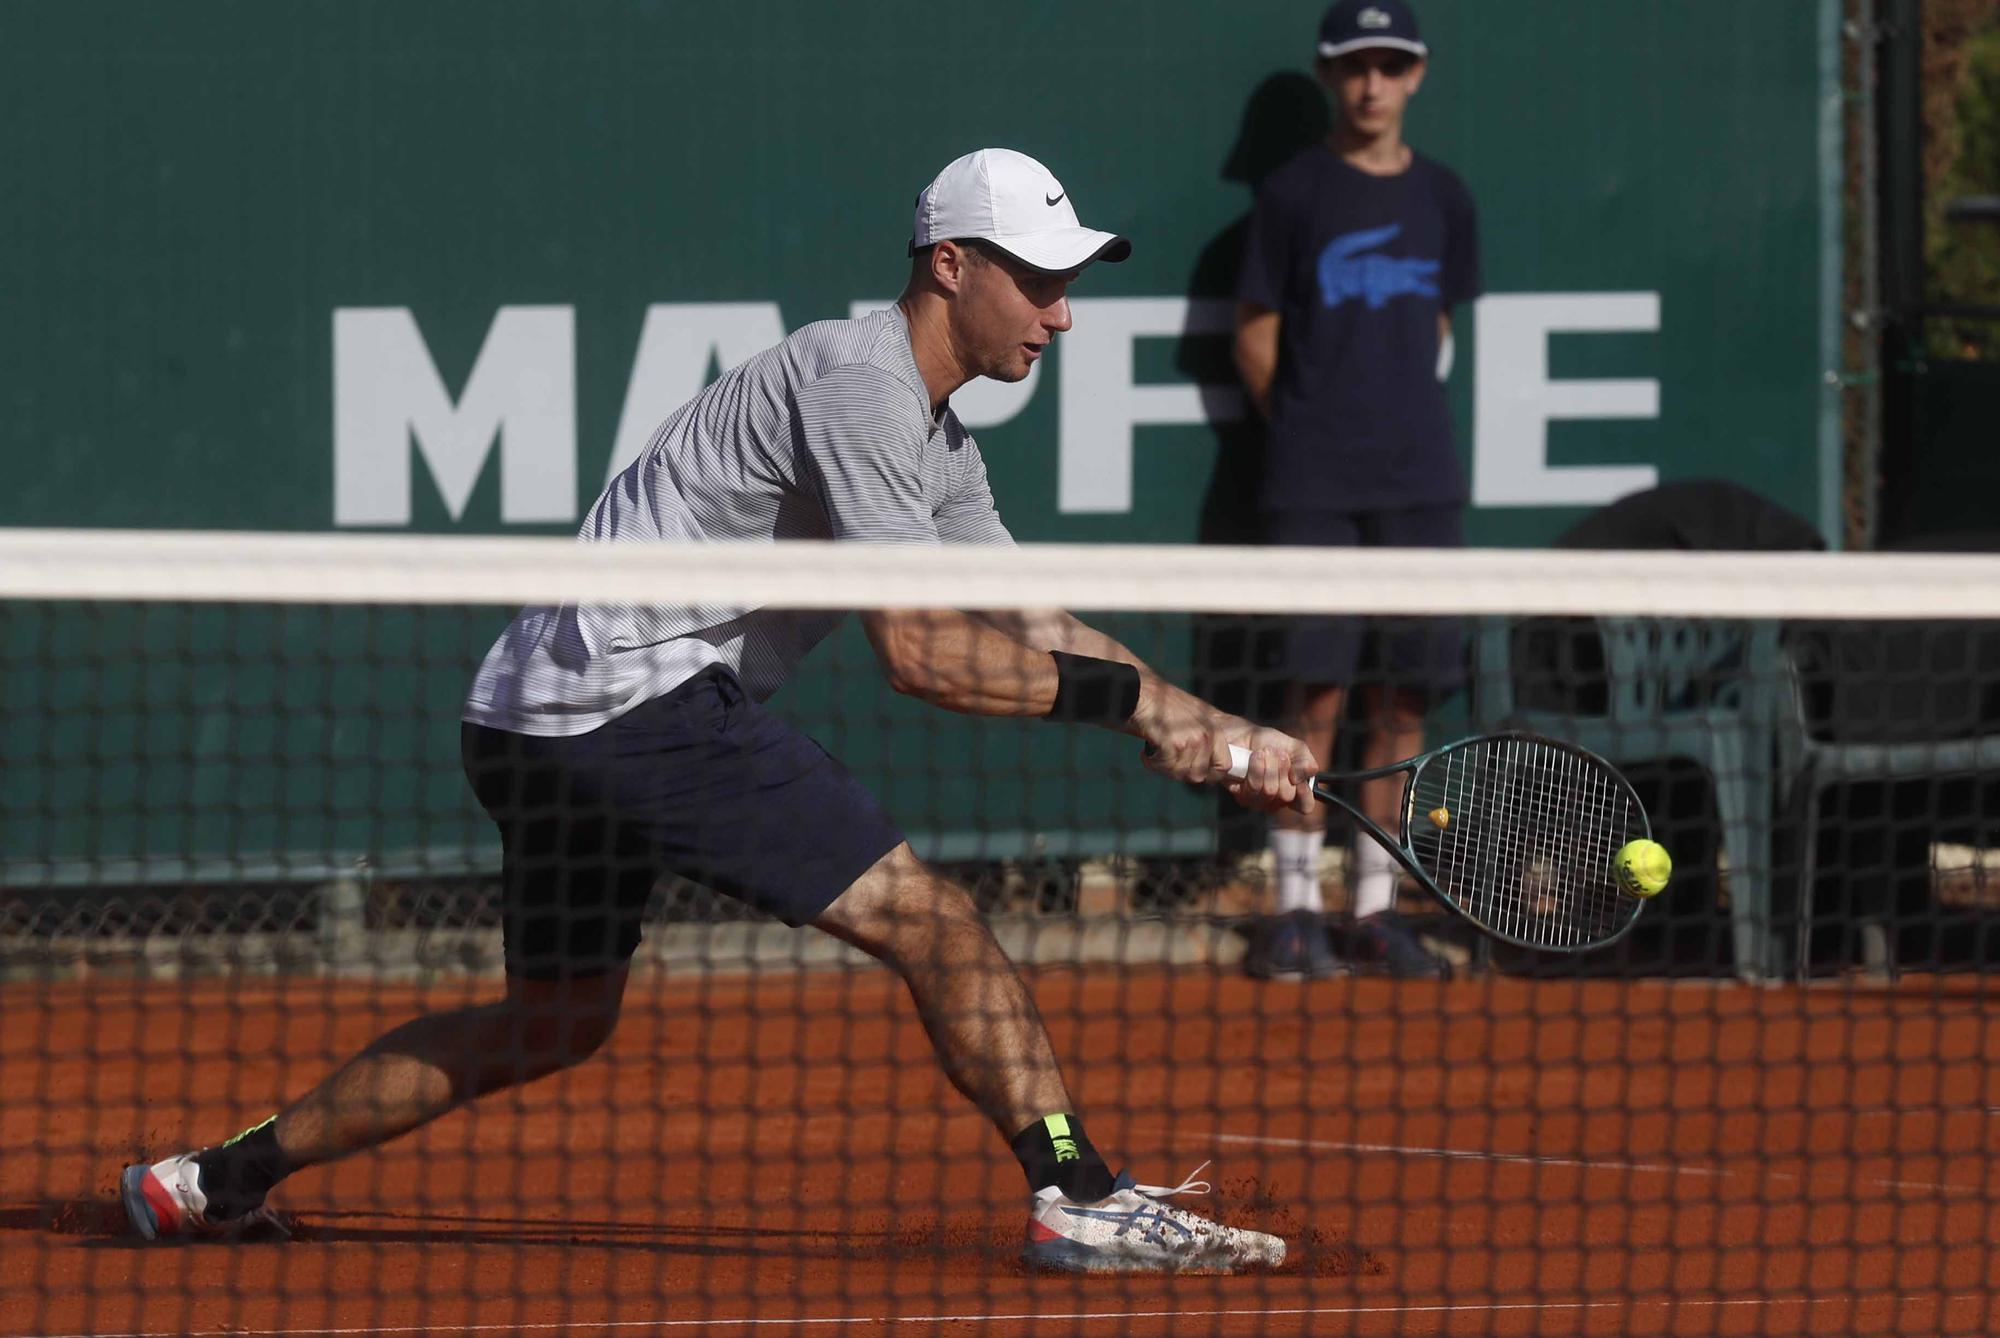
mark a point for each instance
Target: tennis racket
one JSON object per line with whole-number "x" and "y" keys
{"x": 1515, "y": 832}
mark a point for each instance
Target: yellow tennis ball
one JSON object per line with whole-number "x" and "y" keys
{"x": 1643, "y": 868}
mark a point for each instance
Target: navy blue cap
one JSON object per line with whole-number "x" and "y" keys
{"x": 1356, "y": 25}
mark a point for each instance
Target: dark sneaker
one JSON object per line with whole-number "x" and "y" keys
{"x": 1291, "y": 947}
{"x": 1384, "y": 944}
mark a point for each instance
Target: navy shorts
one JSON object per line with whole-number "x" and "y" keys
{"x": 1425, "y": 655}
{"x": 702, "y": 782}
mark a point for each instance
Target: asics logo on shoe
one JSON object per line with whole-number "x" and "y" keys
{"x": 1150, "y": 1223}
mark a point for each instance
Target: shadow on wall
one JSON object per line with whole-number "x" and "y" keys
{"x": 1285, "y": 114}
{"x": 1235, "y": 657}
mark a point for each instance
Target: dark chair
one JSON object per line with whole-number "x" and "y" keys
{"x": 1881, "y": 703}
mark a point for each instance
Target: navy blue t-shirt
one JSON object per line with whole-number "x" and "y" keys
{"x": 1359, "y": 268}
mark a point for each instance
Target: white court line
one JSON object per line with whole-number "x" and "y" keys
{"x": 1247, "y": 1312}
{"x": 1531, "y": 1159}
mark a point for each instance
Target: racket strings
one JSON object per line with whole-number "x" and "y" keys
{"x": 1528, "y": 838}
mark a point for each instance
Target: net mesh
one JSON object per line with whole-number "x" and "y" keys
{"x": 241, "y": 848}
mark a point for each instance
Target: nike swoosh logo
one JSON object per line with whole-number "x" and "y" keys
{"x": 1053, "y": 200}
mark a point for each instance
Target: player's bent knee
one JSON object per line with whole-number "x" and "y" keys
{"x": 543, "y": 1044}
{"x": 577, "y": 1037}
{"x": 901, "y": 910}
{"x": 555, "y": 1024}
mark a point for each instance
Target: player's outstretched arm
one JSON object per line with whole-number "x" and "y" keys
{"x": 996, "y": 663}
{"x": 959, "y": 662}
{"x": 1057, "y": 629}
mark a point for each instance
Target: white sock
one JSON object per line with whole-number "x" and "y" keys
{"x": 1374, "y": 886}
{"x": 1295, "y": 856}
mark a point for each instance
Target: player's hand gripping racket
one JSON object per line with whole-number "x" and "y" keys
{"x": 1515, "y": 832}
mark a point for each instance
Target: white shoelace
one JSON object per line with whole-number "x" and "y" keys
{"x": 1187, "y": 1186}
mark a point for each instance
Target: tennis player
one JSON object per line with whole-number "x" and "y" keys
{"x": 613, "y": 744}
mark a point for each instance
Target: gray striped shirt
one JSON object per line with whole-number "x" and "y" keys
{"x": 829, "y": 435}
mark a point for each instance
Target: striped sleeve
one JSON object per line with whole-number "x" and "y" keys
{"x": 968, "y": 515}
{"x": 861, "y": 433}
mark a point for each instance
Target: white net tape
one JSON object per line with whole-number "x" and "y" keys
{"x": 288, "y": 568}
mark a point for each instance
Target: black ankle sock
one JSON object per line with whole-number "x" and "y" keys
{"x": 237, "y": 1175}
{"x": 1056, "y": 1151}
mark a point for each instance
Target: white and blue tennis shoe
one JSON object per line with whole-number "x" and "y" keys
{"x": 1133, "y": 1231}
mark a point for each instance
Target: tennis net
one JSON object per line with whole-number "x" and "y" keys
{"x": 241, "y": 846}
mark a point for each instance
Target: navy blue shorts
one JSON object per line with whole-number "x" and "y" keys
{"x": 1425, "y": 655}
{"x": 702, "y": 782}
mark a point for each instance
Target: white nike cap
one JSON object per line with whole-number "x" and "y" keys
{"x": 1012, "y": 201}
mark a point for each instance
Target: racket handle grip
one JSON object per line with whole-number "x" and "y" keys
{"x": 1239, "y": 760}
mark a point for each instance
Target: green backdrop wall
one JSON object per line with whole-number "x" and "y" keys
{"x": 201, "y": 194}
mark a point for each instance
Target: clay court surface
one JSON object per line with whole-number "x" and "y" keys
{"x": 775, "y": 1153}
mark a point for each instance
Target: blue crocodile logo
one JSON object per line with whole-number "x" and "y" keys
{"x": 1345, "y": 272}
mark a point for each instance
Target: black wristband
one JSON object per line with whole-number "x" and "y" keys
{"x": 1090, "y": 691}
